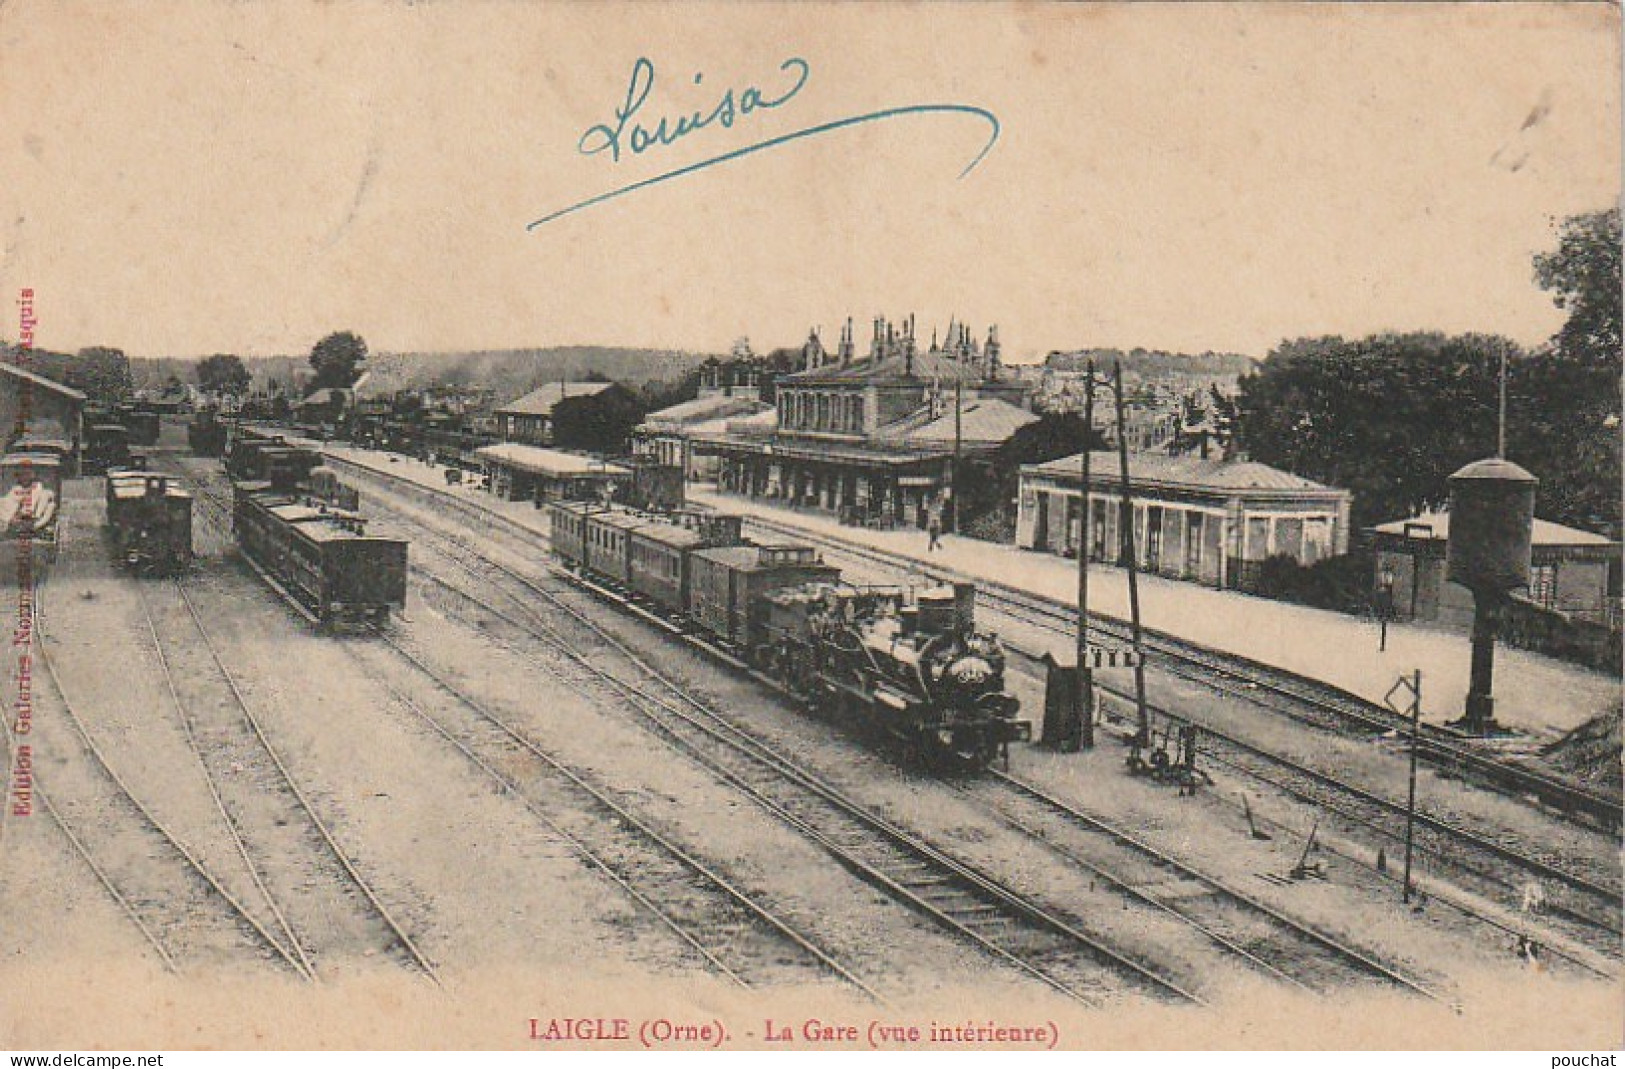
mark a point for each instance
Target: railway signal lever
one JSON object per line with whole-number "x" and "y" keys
{"x": 1306, "y": 869}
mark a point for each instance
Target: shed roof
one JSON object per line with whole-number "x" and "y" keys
{"x": 40, "y": 380}
{"x": 540, "y": 402}
{"x": 539, "y": 461}
{"x": 1435, "y": 526}
{"x": 1188, "y": 472}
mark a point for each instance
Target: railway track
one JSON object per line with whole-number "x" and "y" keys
{"x": 180, "y": 907}
{"x": 323, "y": 903}
{"x": 957, "y": 896}
{"x": 1306, "y": 700}
{"x": 1600, "y": 897}
{"x": 734, "y": 932}
{"x": 1596, "y": 902}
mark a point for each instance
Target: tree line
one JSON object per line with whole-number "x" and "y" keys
{"x": 1391, "y": 416}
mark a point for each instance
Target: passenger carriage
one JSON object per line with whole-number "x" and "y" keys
{"x": 608, "y": 542}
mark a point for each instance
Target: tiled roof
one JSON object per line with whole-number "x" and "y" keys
{"x": 985, "y": 420}
{"x": 540, "y": 402}
{"x": 1190, "y": 472}
{"x": 718, "y": 406}
{"x": 327, "y": 395}
{"x": 1436, "y": 526}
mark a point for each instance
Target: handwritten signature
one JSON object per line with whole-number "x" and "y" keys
{"x": 603, "y": 137}
{"x": 614, "y": 137}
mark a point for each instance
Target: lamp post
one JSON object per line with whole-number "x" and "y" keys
{"x": 1384, "y": 605}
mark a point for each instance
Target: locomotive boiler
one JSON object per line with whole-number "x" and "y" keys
{"x": 906, "y": 664}
{"x": 149, "y": 521}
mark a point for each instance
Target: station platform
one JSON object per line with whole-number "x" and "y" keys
{"x": 1534, "y": 693}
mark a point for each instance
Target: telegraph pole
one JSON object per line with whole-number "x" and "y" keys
{"x": 953, "y": 479}
{"x": 1501, "y": 424}
{"x": 1142, "y": 718}
{"x": 1086, "y": 676}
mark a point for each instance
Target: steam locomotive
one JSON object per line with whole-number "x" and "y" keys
{"x": 905, "y": 664}
{"x": 149, "y": 520}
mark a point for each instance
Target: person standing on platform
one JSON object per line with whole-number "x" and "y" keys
{"x": 933, "y": 525}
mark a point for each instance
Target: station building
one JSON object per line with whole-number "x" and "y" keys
{"x": 872, "y": 439}
{"x": 1205, "y": 520}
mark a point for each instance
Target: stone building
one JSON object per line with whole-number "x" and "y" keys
{"x": 670, "y": 434}
{"x": 873, "y": 438}
{"x": 1209, "y": 521}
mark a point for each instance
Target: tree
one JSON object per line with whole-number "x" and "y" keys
{"x": 223, "y": 373}
{"x": 1584, "y": 276}
{"x": 101, "y": 373}
{"x": 1564, "y": 405}
{"x": 1388, "y": 417}
{"x": 337, "y": 360}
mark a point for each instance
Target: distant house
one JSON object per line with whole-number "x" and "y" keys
{"x": 326, "y": 405}
{"x": 1570, "y": 571}
{"x": 529, "y": 420}
{"x": 1210, "y": 521}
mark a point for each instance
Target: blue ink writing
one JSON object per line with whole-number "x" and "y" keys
{"x": 612, "y": 139}
{"x": 603, "y": 137}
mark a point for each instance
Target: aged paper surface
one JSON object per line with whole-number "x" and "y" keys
{"x": 179, "y": 179}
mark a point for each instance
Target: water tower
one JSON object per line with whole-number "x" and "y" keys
{"x": 1492, "y": 515}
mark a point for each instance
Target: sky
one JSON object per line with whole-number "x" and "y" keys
{"x": 179, "y": 179}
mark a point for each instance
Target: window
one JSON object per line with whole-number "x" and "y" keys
{"x": 1543, "y": 584}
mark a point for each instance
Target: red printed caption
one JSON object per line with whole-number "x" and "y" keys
{"x": 873, "y": 1034}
